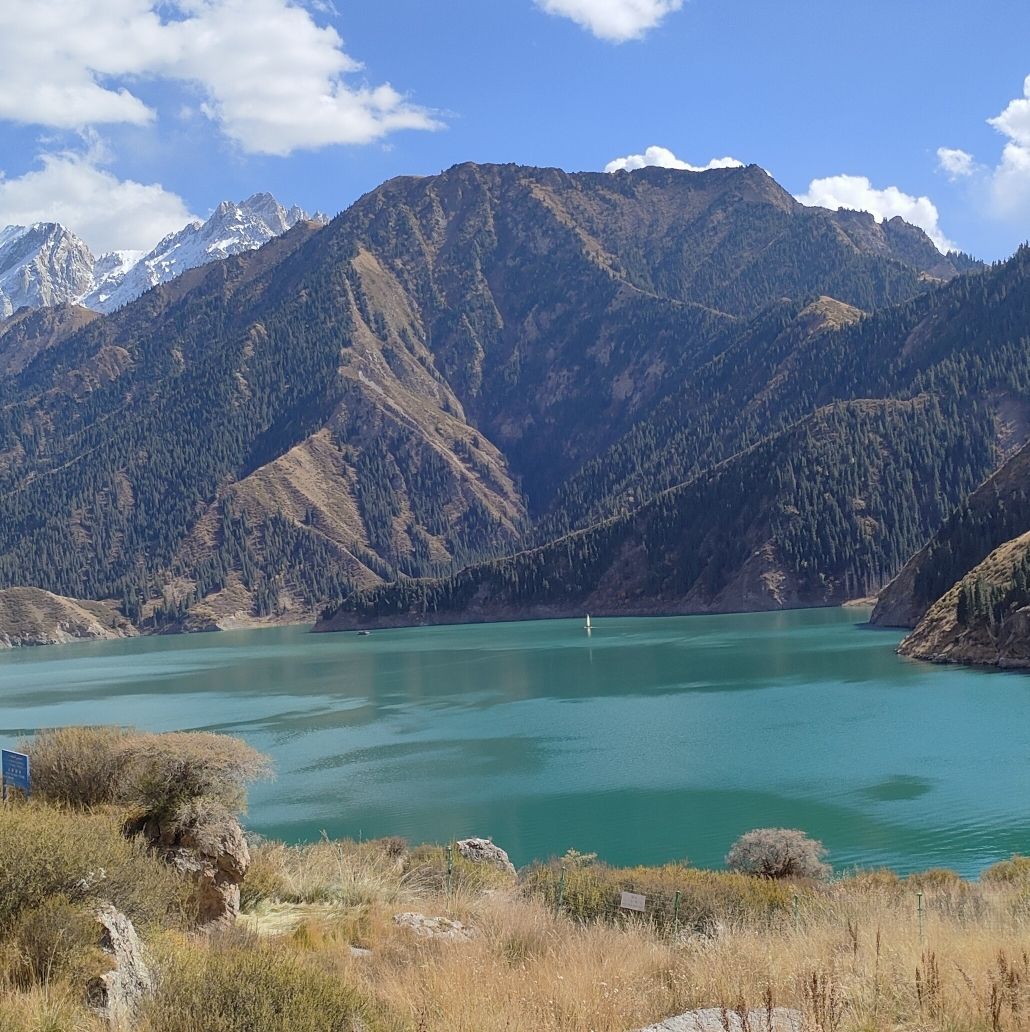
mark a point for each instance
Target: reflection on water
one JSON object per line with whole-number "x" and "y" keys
{"x": 647, "y": 740}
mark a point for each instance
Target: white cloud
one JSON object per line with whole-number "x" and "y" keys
{"x": 859, "y": 194}
{"x": 664, "y": 158}
{"x": 107, "y": 212}
{"x": 613, "y": 20}
{"x": 1010, "y": 184}
{"x": 271, "y": 77}
{"x": 958, "y": 164}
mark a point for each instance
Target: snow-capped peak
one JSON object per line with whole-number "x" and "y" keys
{"x": 45, "y": 264}
{"x": 42, "y": 264}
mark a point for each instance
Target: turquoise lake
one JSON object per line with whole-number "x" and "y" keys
{"x": 648, "y": 740}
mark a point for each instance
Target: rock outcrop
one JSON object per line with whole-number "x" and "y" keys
{"x": 483, "y": 851}
{"x": 214, "y": 854}
{"x": 117, "y": 994}
{"x": 434, "y": 927}
{"x": 718, "y": 1019}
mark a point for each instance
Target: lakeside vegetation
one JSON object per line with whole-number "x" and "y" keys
{"x": 318, "y": 945}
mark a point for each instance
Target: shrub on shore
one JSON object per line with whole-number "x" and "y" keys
{"x": 160, "y": 775}
{"x": 553, "y": 951}
{"x": 778, "y": 853}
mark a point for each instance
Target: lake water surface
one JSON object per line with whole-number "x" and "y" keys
{"x": 649, "y": 740}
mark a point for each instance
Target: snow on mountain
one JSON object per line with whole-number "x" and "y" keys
{"x": 42, "y": 265}
{"x": 232, "y": 229}
{"x": 45, "y": 264}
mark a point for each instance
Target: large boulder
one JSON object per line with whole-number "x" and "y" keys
{"x": 483, "y": 851}
{"x": 717, "y": 1019}
{"x": 117, "y": 994}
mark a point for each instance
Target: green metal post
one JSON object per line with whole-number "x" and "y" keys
{"x": 919, "y": 913}
{"x": 561, "y": 892}
{"x": 676, "y": 911}
{"x": 796, "y": 907}
{"x": 450, "y": 869}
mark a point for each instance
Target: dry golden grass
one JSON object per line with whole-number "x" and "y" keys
{"x": 853, "y": 954}
{"x": 853, "y": 959}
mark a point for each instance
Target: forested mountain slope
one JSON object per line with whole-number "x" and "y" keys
{"x": 809, "y": 516}
{"x": 406, "y": 390}
{"x": 961, "y": 350}
{"x": 998, "y": 511}
{"x": 965, "y": 342}
{"x": 984, "y": 619}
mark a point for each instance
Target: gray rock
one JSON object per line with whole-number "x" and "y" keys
{"x": 483, "y": 851}
{"x": 213, "y": 852}
{"x": 716, "y": 1019}
{"x": 117, "y": 994}
{"x": 434, "y": 927}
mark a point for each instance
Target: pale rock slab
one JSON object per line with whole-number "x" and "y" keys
{"x": 483, "y": 851}
{"x": 117, "y": 994}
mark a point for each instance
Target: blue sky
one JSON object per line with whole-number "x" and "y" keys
{"x": 124, "y": 117}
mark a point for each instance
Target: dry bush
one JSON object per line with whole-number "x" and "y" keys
{"x": 46, "y": 853}
{"x": 778, "y": 853}
{"x": 341, "y": 872}
{"x": 236, "y": 984}
{"x": 1014, "y": 871}
{"x": 51, "y": 1008}
{"x": 167, "y": 772}
{"x": 78, "y": 766}
{"x": 58, "y": 940}
{"x": 162, "y": 775}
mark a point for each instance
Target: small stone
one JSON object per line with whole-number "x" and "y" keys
{"x": 358, "y": 951}
{"x": 483, "y": 851}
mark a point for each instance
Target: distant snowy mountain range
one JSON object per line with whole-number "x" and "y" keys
{"x": 47, "y": 264}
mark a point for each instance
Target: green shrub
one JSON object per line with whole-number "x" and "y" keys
{"x": 46, "y": 853}
{"x": 237, "y": 984}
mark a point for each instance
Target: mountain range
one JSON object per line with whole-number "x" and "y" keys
{"x": 47, "y": 264}
{"x": 507, "y": 391}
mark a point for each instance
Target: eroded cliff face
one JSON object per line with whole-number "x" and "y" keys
{"x": 30, "y": 616}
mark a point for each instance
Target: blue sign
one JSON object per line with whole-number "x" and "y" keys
{"x": 15, "y": 769}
